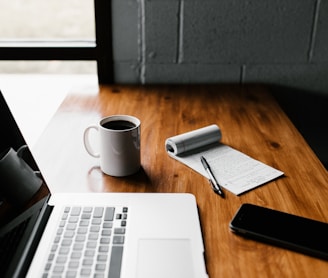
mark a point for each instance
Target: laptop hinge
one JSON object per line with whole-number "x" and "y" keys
{"x": 29, "y": 244}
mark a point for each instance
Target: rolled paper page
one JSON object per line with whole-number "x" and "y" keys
{"x": 233, "y": 169}
{"x": 193, "y": 139}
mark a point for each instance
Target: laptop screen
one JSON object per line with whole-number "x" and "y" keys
{"x": 23, "y": 198}
{"x": 12, "y": 138}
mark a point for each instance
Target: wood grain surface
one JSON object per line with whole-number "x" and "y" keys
{"x": 251, "y": 122}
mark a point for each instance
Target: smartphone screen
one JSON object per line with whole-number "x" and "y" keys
{"x": 286, "y": 230}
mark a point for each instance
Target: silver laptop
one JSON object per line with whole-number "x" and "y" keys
{"x": 99, "y": 234}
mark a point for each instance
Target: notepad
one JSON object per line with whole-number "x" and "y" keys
{"x": 234, "y": 170}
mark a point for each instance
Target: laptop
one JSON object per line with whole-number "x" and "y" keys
{"x": 97, "y": 234}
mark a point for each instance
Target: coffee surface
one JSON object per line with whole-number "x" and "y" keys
{"x": 118, "y": 125}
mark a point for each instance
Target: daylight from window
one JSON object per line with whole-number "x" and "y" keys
{"x": 36, "y": 20}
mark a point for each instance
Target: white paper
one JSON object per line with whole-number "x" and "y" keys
{"x": 234, "y": 170}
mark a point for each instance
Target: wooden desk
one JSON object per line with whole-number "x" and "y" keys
{"x": 251, "y": 121}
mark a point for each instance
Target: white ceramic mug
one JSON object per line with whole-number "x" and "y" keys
{"x": 119, "y": 149}
{"x": 18, "y": 182}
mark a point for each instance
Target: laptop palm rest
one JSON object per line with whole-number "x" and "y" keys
{"x": 164, "y": 258}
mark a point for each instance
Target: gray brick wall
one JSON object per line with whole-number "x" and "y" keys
{"x": 281, "y": 42}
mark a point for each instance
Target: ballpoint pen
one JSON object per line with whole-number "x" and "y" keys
{"x": 215, "y": 185}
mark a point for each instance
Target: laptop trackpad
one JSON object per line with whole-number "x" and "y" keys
{"x": 165, "y": 258}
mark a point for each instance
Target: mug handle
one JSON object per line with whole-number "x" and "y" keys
{"x": 21, "y": 150}
{"x": 86, "y": 141}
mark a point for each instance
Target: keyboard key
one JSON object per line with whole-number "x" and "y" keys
{"x": 59, "y": 269}
{"x": 89, "y": 253}
{"x": 118, "y": 240}
{"x": 98, "y": 213}
{"x": 61, "y": 259}
{"x": 119, "y": 231}
{"x": 78, "y": 246}
{"x": 68, "y": 234}
{"x": 87, "y": 262}
{"x": 51, "y": 256}
{"x": 109, "y": 214}
{"x": 105, "y": 240}
{"x": 95, "y": 229}
{"x": 103, "y": 249}
{"x": 108, "y": 225}
{"x": 84, "y": 223}
{"x": 115, "y": 261}
{"x": 54, "y": 247}
{"x": 82, "y": 230}
{"x": 96, "y": 221}
{"x": 63, "y": 250}
{"x": 60, "y": 231}
{"x": 86, "y": 216}
{"x": 87, "y": 209}
{"x": 71, "y": 226}
{"x": 73, "y": 219}
{"x": 91, "y": 244}
{"x": 80, "y": 238}
{"x": 76, "y": 255}
{"x": 73, "y": 264}
{"x": 71, "y": 274}
{"x": 106, "y": 232}
{"x": 85, "y": 271}
{"x": 102, "y": 258}
{"x": 100, "y": 267}
{"x": 76, "y": 211}
{"x": 66, "y": 242}
{"x": 93, "y": 236}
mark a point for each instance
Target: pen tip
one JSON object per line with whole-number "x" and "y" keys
{"x": 220, "y": 192}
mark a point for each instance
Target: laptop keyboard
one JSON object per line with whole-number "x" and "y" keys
{"x": 88, "y": 243}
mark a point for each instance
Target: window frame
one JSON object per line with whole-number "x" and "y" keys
{"x": 99, "y": 50}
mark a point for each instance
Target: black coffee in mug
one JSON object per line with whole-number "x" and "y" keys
{"x": 118, "y": 125}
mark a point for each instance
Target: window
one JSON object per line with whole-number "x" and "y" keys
{"x": 45, "y": 35}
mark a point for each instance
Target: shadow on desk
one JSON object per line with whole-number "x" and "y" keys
{"x": 308, "y": 111}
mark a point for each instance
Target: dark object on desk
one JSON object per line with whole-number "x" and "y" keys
{"x": 282, "y": 229}
{"x": 308, "y": 112}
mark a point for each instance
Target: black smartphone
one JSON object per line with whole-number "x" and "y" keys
{"x": 282, "y": 229}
